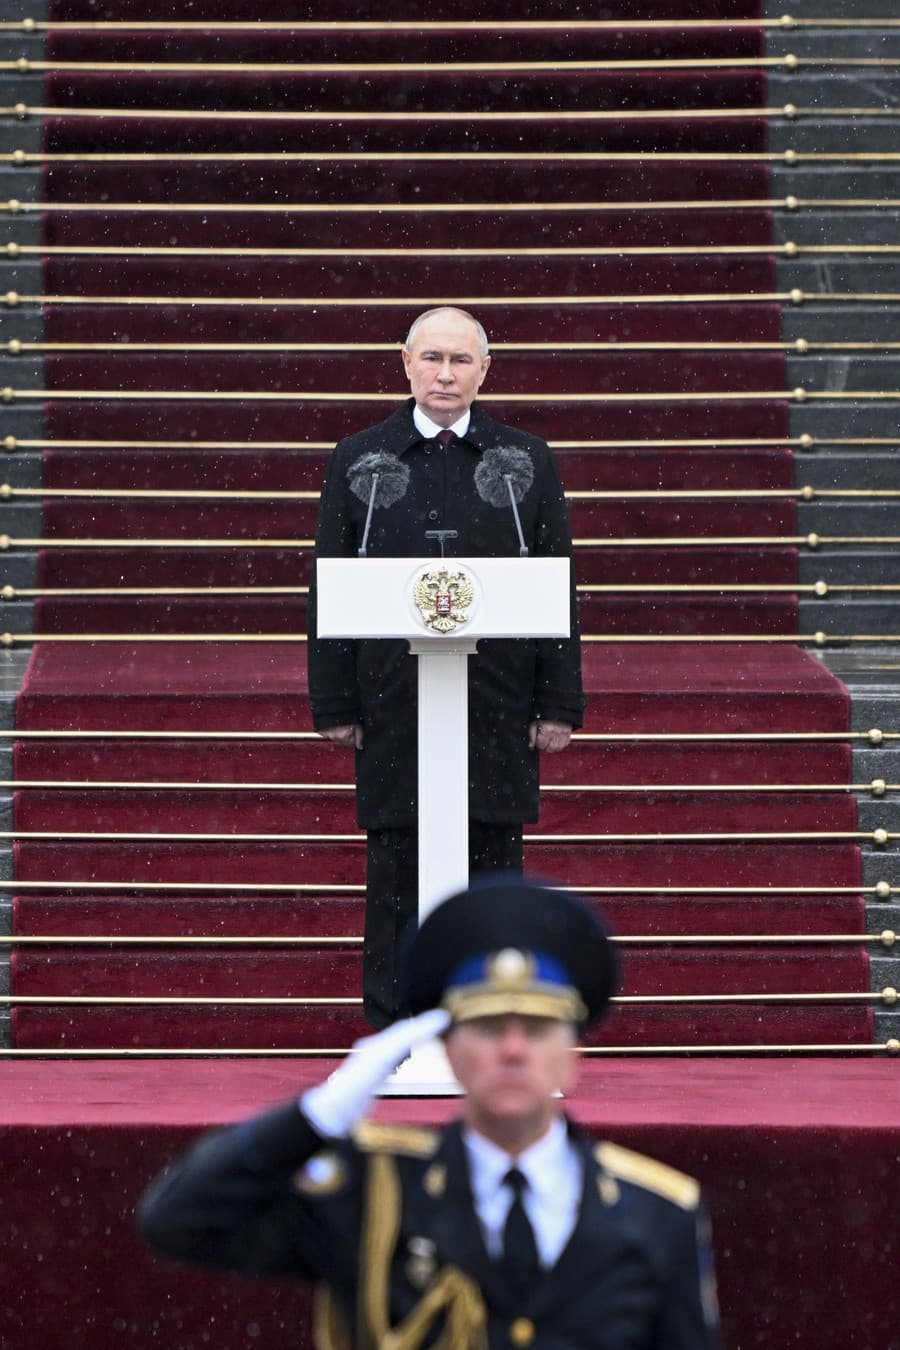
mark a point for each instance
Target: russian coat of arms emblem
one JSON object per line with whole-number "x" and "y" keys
{"x": 442, "y": 596}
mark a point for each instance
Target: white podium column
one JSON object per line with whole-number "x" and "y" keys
{"x": 443, "y": 770}
{"x": 375, "y": 598}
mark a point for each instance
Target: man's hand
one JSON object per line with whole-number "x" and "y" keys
{"x": 334, "y": 1107}
{"x": 351, "y": 737}
{"x": 549, "y": 737}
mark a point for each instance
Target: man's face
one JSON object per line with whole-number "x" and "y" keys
{"x": 510, "y": 1067}
{"x": 445, "y": 367}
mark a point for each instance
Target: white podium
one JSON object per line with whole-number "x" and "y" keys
{"x": 441, "y": 606}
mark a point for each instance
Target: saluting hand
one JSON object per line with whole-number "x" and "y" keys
{"x": 334, "y": 1107}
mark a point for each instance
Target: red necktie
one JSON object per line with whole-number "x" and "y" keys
{"x": 445, "y": 437}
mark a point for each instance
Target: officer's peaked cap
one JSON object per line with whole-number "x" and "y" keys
{"x": 512, "y": 946}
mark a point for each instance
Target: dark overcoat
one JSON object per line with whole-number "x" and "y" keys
{"x": 387, "y": 1220}
{"x": 511, "y": 682}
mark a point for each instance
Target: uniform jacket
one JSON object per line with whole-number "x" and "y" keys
{"x": 386, "y": 1223}
{"x": 511, "y": 682}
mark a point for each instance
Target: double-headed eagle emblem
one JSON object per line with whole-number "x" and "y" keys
{"x": 443, "y": 597}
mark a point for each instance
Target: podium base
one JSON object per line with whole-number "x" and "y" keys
{"x": 426, "y": 1073}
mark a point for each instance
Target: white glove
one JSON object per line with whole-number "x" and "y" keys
{"x": 334, "y": 1107}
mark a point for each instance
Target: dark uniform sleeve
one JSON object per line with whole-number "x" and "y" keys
{"x": 689, "y": 1319}
{"x": 332, "y": 662}
{"x": 558, "y": 695}
{"x": 231, "y": 1203}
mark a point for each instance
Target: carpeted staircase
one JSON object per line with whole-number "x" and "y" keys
{"x": 215, "y": 299}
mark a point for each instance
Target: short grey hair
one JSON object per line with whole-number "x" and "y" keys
{"x": 440, "y": 309}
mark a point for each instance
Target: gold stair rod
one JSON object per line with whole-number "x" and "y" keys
{"x": 797, "y": 395}
{"x": 401, "y": 26}
{"x": 796, "y": 296}
{"x": 887, "y": 939}
{"x": 18, "y": 158}
{"x": 788, "y": 249}
{"x": 7, "y": 493}
{"x": 820, "y": 589}
{"x": 14, "y": 206}
{"x": 807, "y": 493}
{"x": 180, "y": 941}
{"x": 879, "y": 837}
{"x": 804, "y": 442}
{"x": 875, "y": 736}
{"x": 890, "y": 1047}
{"x": 887, "y": 996}
{"x": 15, "y": 347}
{"x": 813, "y": 541}
{"x": 882, "y": 890}
{"x": 25, "y": 66}
{"x": 7, "y": 542}
{"x": 24, "y": 111}
{"x": 819, "y": 639}
{"x": 262, "y": 887}
{"x": 878, "y": 787}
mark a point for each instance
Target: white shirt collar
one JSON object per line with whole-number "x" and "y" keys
{"x": 490, "y": 1164}
{"x": 430, "y": 429}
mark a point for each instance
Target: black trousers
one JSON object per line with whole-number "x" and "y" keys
{"x": 392, "y": 891}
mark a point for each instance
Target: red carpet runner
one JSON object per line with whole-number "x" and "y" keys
{"x": 276, "y": 442}
{"x": 793, "y": 1233}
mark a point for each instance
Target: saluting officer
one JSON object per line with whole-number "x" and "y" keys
{"x": 509, "y": 1227}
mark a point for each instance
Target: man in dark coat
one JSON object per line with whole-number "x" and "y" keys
{"x": 508, "y": 1227}
{"x": 524, "y": 696}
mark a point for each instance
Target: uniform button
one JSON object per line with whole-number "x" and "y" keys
{"x": 521, "y": 1331}
{"x": 432, "y": 515}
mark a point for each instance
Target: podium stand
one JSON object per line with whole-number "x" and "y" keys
{"x": 442, "y": 606}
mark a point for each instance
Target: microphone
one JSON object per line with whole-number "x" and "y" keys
{"x": 503, "y": 477}
{"x": 379, "y": 479}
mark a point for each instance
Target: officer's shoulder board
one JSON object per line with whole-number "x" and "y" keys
{"x": 408, "y": 1140}
{"x": 639, "y": 1170}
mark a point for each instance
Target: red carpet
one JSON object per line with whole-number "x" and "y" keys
{"x": 797, "y": 1159}
{"x": 752, "y": 688}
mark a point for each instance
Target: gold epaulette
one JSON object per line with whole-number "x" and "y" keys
{"x": 640, "y": 1170}
{"x": 374, "y": 1137}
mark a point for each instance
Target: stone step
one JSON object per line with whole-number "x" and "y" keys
{"x": 821, "y": 320}
{"x": 853, "y": 615}
{"x": 22, "y": 468}
{"x": 880, "y": 864}
{"x": 838, "y": 275}
{"x": 846, "y": 88}
{"x": 25, "y": 322}
{"x": 864, "y": 371}
{"x": 822, "y": 420}
{"x": 836, "y": 182}
{"x": 808, "y": 134}
{"x": 832, "y": 226}
{"x": 878, "y": 813}
{"x": 19, "y": 568}
{"x": 849, "y": 566}
{"x": 851, "y": 467}
{"x": 883, "y": 916}
{"x": 849, "y": 518}
{"x": 835, "y": 43}
{"x": 817, "y": 9}
{"x": 878, "y": 762}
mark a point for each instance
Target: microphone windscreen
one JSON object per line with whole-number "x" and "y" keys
{"x": 393, "y": 478}
{"x": 498, "y": 463}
